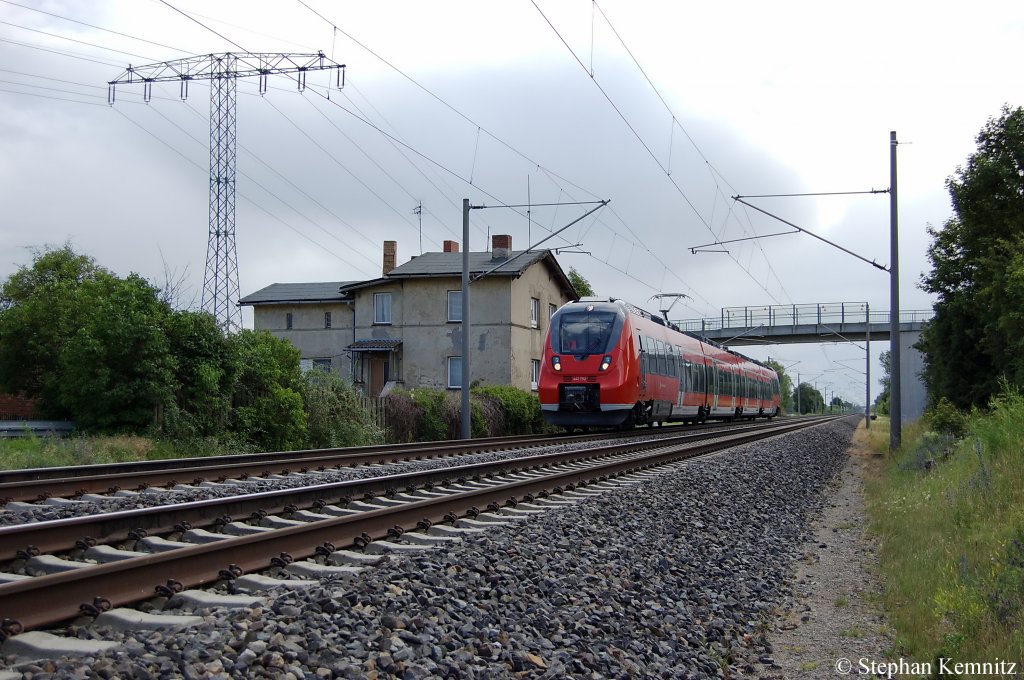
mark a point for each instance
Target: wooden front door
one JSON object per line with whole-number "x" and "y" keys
{"x": 378, "y": 373}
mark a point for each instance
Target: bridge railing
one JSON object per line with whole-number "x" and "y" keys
{"x": 827, "y": 314}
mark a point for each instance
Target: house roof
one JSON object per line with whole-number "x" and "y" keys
{"x": 429, "y": 265}
{"x": 327, "y": 291}
{"x": 447, "y": 264}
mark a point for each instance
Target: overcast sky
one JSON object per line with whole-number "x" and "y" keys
{"x": 667, "y": 109}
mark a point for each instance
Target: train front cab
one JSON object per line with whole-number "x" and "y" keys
{"x": 584, "y": 377}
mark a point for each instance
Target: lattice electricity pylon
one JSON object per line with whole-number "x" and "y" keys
{"x": 220, "y": 283}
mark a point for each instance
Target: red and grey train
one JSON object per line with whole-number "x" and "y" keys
{"x": 610, "y": 364}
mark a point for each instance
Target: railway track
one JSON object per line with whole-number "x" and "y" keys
{"x": 39, "y": 484}
{"x": 89, "y": 564}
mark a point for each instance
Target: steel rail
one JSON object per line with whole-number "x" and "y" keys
{"x": 296, "y": 457}
{"x": 47, "y": 600}
{"x": 36, "y": 484}
{"x": 21, "y": 540}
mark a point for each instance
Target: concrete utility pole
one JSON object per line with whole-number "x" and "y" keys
{"x": 220, "y": 283}
{"x": 465, "y": 428}
{"x": 867, "y": 367}
{"x": 895, "y": 410}
{"x": 466, "y": 418}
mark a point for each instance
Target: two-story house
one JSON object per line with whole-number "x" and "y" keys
{"x": 405, "y": 327}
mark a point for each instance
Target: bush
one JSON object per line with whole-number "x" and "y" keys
{"x": 520, "y": 409}
{"x": 334, "y": 415}
{"x": 946, "y": 418}
{"x": 432, "y": 415}
{"x": 403, "y": 416}
{"x": 433, "y": 423}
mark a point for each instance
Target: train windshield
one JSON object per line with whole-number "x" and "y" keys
{"x": 585, "y": 332}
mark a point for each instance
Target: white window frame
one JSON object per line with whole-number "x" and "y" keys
{"x": 552, "y": 308}
{"x": 382, "y": 311}
{"x": 534, "y": 373}
{"x": 534, "y": 312}
{"x": 451, "y": 361}
{"x": 451, "y": 317}
{"x": 327, "y": 320}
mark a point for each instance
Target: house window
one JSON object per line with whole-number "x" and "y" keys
{"x": 382, "y": 307}
{"x": 455, "y": 305}
{"x": 327, "y": 319}
{"x": 551, "y": 310}
{"x": 288, "y": 321}
{"x": 454, "y": 372}
{"x": 307, "y": 365}
{"x": 534, "y": 373}
{"x": 534, "y": 312}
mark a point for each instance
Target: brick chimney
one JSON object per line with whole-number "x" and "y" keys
{"x": 501, "y": 246}
{"x": 451, "y": 246}
{"x": 390, "y": 256}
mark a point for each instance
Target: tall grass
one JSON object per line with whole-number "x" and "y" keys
{"x": 949, "y": 513}
{"x": 35, "y": 452}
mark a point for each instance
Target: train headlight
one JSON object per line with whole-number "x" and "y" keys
{"x": 556, "y": 363}
{"x": 606, "y": 362}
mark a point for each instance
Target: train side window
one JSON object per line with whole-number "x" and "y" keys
{"x": 661, "y": 357}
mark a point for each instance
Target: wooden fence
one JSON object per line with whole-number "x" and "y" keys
{"x": 375, "y": 406}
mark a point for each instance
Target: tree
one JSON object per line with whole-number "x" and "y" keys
{"x": 977, "y": 259}
{"x": 267, "y": 411}
{"x": 116, "y": 371}
{"x": 785, "y": 386}
{"x": 580, "y": 284}
{"x": 809, "y": 399}
{"x": 39, "y": 311}
{"x": 204, "y": 375}
{"x": 882, "y": 400}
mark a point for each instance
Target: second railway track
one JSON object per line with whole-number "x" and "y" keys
{"x": 116, "y": 577}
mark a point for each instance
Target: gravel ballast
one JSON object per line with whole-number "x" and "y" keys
{"x": 673, "y": 577}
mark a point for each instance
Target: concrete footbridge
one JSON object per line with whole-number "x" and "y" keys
{"x": 824, "y": 322}
{"x": 821, "y": 322}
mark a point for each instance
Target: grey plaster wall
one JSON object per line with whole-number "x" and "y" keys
{"x": 308, "y": 333}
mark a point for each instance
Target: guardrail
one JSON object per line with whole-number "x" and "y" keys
{"x": 17, "y": 429}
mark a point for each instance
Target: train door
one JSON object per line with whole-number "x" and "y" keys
{"x": 713, "y": 384}
{"x": 702, "y": 381}
{"x": 681, "y": 370}
{"x": 643, "y": 361}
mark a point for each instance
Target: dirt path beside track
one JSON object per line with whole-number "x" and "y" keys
{"x": 833, "y": 617}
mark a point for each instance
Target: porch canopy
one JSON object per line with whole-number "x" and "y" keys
{"x": 381, "y": 345}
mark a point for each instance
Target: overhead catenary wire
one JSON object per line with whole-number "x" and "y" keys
{"x": 558, "y": 179}
{"x": 647, "y": 147}
{"x": 287, "y": 181}
{"x": 256, "y": 204}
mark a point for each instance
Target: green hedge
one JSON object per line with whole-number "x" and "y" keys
{"x": 424, "y": 414}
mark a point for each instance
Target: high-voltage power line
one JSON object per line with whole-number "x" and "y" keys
{"x": 220, "y": 282}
